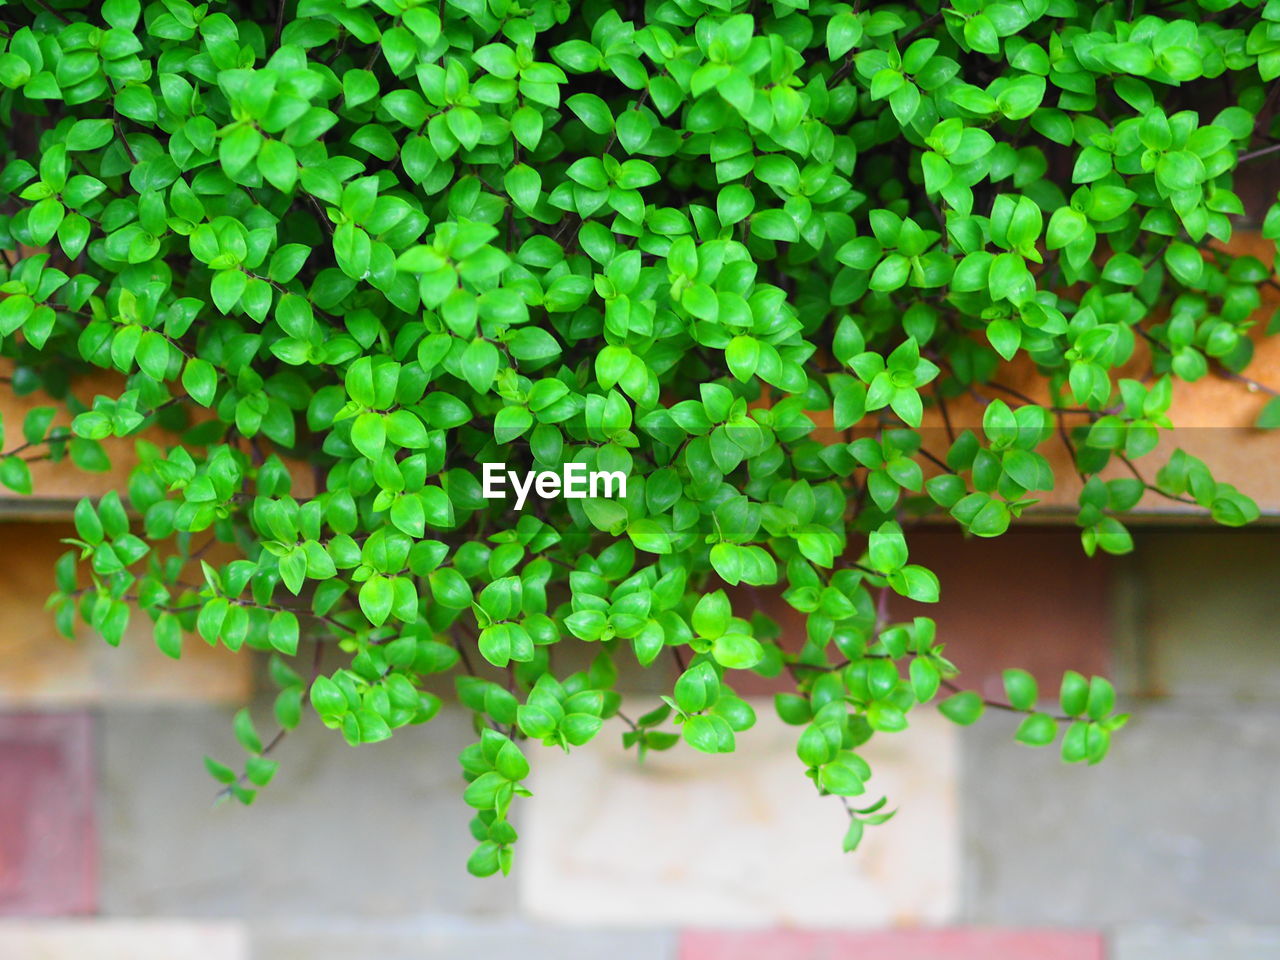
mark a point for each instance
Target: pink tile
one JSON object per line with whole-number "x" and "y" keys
{"x": 959, "y": 944}
{"x": 47, "y": 835}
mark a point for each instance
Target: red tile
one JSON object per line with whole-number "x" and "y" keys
{"x": 47, "y": 835}
{"x": 891, "y": 945}
{"x": 1029, "y": 599}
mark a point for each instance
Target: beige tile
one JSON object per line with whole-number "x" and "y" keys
{"x": 57, "y": 486}
{"x": 39, "y": 667}
{"x": 122, "y": 940}
{"x": 738, "y": 840}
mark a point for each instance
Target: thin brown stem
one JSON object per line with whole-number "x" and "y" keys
{"x": 1261, "y": 152}
{"x": 1253, "y": 385}
{"x": 1007, "y": 707}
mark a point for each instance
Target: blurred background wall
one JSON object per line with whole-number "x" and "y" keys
{"x": 110, "y": 846}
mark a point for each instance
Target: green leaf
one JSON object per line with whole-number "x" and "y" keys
{"x": 1185, "y": 263}
{"x": 511, "y": 763}
{"x": 1075, "y": 694}
{"x": 711, "y": 614}
{"x": 1269, "y": 417}
{"x": 1020, "y": 687}
{"x": 844, "y": 32}
{"x": 708, "y": 734}
{"x": 277, "y": 163}
{"x": 1066, "y": 225}
{"x": 450, "y": 589}
{"x": 510, "y": 423}
{"x": 853, "y": 835}
{"x": 369, "y": 434}
{"x": 1005, "y": 336}
{"x": 841, "y": 779}
{"x": 220, "y": 772}
{"x": 480, "y": 364}
{"x": 1037, "y": 730}
{"x": 887, "y": 548}
{"x": 227, "y": 288}
{"x": 915, "y": 582}
{"x": 245, "y": 732}
{"x": 327, "y": 698}
{"x": 376, "y": 597}
{"x": 1092, "y": 163}
{"x": 239, "y": 148}
{"x": 15, "y": 474}
{"x": 43, "y": 220}
{"x": 200, "y": 380}
{"x": 980, "y": 34}
{"x": 963, "y": 708}
{"x": 925, "y": 679}
{"x": 90, "y": 134}
{"x": 743, "y": 357}
{"x": 523, "y": 185}
{"x": 293, "y": 569}
{"x": 169, "y": 635}
{"x": 891, "y": 273}
{"x": 527, "y": 126}
{"x": 283, "y": 632}
{"x": 648, "y": 535}
{"x": 774, "y": 225}
{"x": 1180, "y": 170}
{"x": 737, "y": 651}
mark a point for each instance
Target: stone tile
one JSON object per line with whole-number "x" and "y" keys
{"x": 957, "y": 944}
{"x": 122, "y": 940}
{"x": 1209, "y": 620}
{"x": 738, "y": 840}
{"x": 1050, "y": 611}
{"x": 47, "y": 835}
{"x": 376, "y": 831}
{"x": 1209, "y": 943}
{"x": 39, "y": 667}
{"x": 1178, "y": 826}
{"x": 457, "y": 939}
{"x": 157, "y": 799}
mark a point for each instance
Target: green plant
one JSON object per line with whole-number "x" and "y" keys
{"x": 366, "y": 247}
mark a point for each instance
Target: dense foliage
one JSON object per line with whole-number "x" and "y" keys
{"x": 347, "y": 251}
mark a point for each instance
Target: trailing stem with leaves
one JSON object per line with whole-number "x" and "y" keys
{"x": 337, "y": 254}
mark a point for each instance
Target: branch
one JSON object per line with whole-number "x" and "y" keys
{"x": 935, "y": 460}
{"x": 316, "y": 658}
{"x": 1152, "y": 487}
{"x": 275, "y": 43}
{"x": 1007, "y": 707}
{"x": 942, "y": 408}
{"x": 1253, "y": 385}
{"x": 1071, "y": 448}
{"x": 1261, "y": 152}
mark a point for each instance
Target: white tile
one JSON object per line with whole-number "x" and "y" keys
{"x": 739, "y": 840}
{"x": 122, "y": 940}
